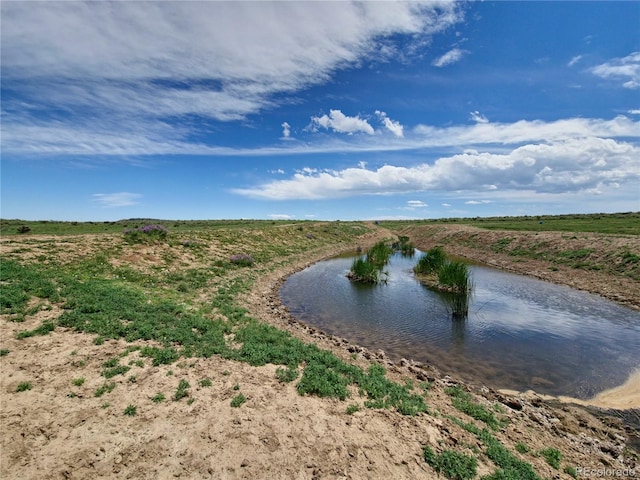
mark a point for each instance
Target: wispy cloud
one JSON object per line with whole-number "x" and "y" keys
{"x": 478, "y": 117}
{"x": 119, "y": 199}
{"x": 575, "y": 60}
{"x": 626, "y": 69}
{"x": 107, "y": 64}
{"x": 452, "y": 56}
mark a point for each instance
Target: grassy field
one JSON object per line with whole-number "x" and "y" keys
{"x": 615, "y": 223}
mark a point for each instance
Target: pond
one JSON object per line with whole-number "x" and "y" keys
{"x": 521, "y": 333}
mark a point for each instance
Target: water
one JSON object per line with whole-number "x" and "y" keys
{"x": 521, "y": 333}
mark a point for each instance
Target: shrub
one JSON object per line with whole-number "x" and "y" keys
{"x": 242, "y": 259}
{"x": 24, "y": 229}
{"x": 146, "y": 234}
{"x": 181, "y": 392}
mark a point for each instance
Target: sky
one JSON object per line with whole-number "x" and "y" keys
{"x": 318, "y": 110}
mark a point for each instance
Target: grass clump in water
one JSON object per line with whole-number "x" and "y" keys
{"x": 431, "y": 261}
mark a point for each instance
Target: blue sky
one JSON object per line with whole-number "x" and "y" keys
{"x": 318, "y": 110}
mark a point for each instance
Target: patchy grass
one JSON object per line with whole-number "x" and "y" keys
{"x": 452, "y": 464}
{"x": 238, "y": 400}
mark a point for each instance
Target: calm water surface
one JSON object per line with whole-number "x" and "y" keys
{"x": 521, "y": 333}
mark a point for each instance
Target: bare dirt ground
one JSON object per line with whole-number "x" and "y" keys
{"x": 58, "y": 429}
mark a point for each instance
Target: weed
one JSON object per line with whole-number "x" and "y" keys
{"x": 158, "y": 398}
{"x": 452, "y": 464}
{"x": 181, "y": 392}
{"x": 462, "y": 401}
{"x": 238, "y": 400}
{"x": 205, "y": 382}
{"x": 242, "y": 260}
{"x": 4, "y": 351}
{"x": 236, "y": 387}
{"x": 24, "y": 386}
{"x": 190, "y": 401}
{"x": 131, "y": 410}
{"x": 552, "y": 456}
{"x": 571, "y": 471}
{"x": 43, "y": 329}
{"x": 286, "y": 375}
{"x": 78, "y": 382}
{"x": 353, "y": 408}
{"x": 117, "y": 370}
{"x": 522, "y": 448}
{"x": 105, "y": 388}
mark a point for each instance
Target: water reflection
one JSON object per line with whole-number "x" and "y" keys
{"x": 520, "y": 332}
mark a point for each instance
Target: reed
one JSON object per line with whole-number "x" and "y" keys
{"x": 364, "y": 271}
{"x": 431, "y": 261}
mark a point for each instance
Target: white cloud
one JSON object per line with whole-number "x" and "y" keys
{"x": 452, "y": 56}
{"x": 416, "y": 204}
{"x": 478, "y": 117}
{"x": 566, "y": 165}
{"x": 120, "y": 199}
{"x": 575, "y": 60}
{"x": 281, "y": 216}
{"x": 339, "y": 122}
{"x": 635, "y": 111}
{"x": 446, "y": 205}
{"x": 393, "y": 126}
{"x": 286, "y": 130}
{"x": 148, "y": 61}
{"x": 477, "y": 202}
{"x": 626, "y": 69}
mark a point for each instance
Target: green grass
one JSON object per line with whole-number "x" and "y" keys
{"x": 452, "y": 464}
{"x": 23, "y": 387}
{"x": 463, "y": 401}
{"x": 78, "y": 382}
{"x": 627, "y": 223}
{"x": 112, "y": 302}
{"x": 105, "y": 388}
{"x": 131, "y": 410}
{"x": 552, "y": 456}
{"x": 182, "y": 390}
{"x": 158, "y": 398}
{"x": 4, "y": 351}
{"x": 205, "y": 382}
{"x": 238, "y": 400}
{"x": 431, "y": 261}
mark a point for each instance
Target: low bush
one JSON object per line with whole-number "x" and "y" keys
{"x": 146, "y": 234}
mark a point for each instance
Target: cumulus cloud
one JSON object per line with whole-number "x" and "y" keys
{"x": 119, "y": 199}
{"x": 393, "y": 126}
{"x": 286, "y": 130}
{"x": 339, "y": 122}
{"x": 452, "y": 56}
{"x": 625, "y": 69}
{"x": 566, "y": 165}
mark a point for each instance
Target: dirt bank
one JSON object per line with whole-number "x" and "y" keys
{"x": 607, "y": 265}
